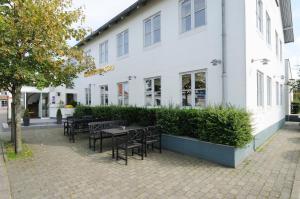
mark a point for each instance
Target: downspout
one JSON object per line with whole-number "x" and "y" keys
{"x": 224, "y": 69}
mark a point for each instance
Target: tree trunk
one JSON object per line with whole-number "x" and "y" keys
{"x": 13, "y": 123}
{"x": 18, "y": 131}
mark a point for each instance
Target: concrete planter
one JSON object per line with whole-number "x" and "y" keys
{"x": 221, "y": 154}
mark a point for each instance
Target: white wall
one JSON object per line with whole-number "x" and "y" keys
{"x": 177, "y": 53}
{"x": 257, "y": 48}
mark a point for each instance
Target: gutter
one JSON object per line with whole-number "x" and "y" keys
{"x": 224, "y": 68}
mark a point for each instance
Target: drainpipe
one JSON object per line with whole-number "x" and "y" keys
{"x": 224, "y": 69}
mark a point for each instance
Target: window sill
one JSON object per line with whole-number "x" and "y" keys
{"x": 152, "y": 46}
{"x": 122, "y": 57}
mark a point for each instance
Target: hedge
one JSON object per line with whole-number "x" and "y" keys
{"x": 219, "y": 125}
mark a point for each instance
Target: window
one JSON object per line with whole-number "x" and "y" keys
{"x": 88, "y": 93}
{"x": 192, "y": 12}
{"x": 281, "y": 94}
{"x": 193, "y": 89}
{"x": 103, "y": 52}
{"x": 277, "y": 93}
{"x": 276, "y": 38}
{"x": 259, "y": 15}
{"x": 269, "y": 91}
{"x": 104, "y": 95}
{"x": 153, "y": 92}
{"x": 268, "y": 28}
{"x": 123, "y": 93}
{"x": 152, "y": 33}
{"x": 280, "y": 45}
{"x": 4, "y": 103}
{"x": 122, "y": 43}
{"x": 260, "y": 89}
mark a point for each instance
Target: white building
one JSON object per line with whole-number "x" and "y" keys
{"x": 193, "y": 53}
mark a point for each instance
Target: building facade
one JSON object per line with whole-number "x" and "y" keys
{"x": 192, "y": 53}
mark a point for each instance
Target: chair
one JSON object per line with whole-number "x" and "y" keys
{"x": 94, "y": 133}
{"x": 133, "y": 140}
{"x": 67, "y": 125}
{"x": 152, "y": 137}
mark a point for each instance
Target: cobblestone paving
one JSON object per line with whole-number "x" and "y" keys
{"x": 60, "y": 169}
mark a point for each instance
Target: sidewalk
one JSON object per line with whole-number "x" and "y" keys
{"x": 5, "y": 191}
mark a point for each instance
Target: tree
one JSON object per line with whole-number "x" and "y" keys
{"x": 34, "y": 49}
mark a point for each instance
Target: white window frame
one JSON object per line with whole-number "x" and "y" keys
{"x": 269, "y": 91}
{"x": 122, "y": 46}
{"x": 192, "y": 14}
{"x": 281, "y": 94}
{"x": 104, "y": 95}
{"x": 276, "y": 44}
{"x": 277, "y": 93}
{"x": 193, "y": 73}
{"x": 259, "y": 15}
{"x": 123, "y": 94}
{"x": 280, "y": 50}
{"x": 88, "y": 95}
{"x": 103, "y": 55}
{"x": 260, "y": 89}
{"x": 152, "y": 30}
{"x": 268, "y": 28}
{"x": 152, "y": 92}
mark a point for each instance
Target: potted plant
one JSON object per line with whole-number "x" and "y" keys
{"x": 58, "y": 117}
{"x": 26, "y": 118}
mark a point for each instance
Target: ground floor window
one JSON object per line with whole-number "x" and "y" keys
{"x": 193, "y": 89}
{"x": 269, "y": 91}
{"x": 281, "y": 94}
{"x": 153, "y": 92}
{"x": 277, "y": 93}
{"x": 123, "y": 93}
{"x": 104, "y": 95}
{"x": 260, "y": 89}
{"x": 4, "y": 103}
{"x": 88, "y": 93}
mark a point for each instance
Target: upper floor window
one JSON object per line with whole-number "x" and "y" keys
{"x": 123, "y": 93}
{"x": 123, "y": 43}
{"x": 104, "y": 95}
{"x": 268, "y": 28}
{"x": 259, "y": 15}
{"x": 193, "y": 89}
{"x": 260, "y": 89}
{"x": 153, "y": 92}
{"x": 280, "y": 50}
{"x": 152, "y": 27}
{"x": 103, "y": 52}
{"x": 193, "y": 14}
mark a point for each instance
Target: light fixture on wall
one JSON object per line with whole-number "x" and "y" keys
{"x": 131, "y": 77}
{"x": 216, "y": 62}
{"x": 282, "y": 77}
{"x": 264, "y": 61}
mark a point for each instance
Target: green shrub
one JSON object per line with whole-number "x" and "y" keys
{"x": 220, "y": 125}
{"x": 295, "y": 107}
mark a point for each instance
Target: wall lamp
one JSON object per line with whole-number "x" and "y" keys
{"x": 216, "y": 62}
{"x": 131, "y": 77}
{"x": 264, "y": 61}
{"x": 280, "y": 77}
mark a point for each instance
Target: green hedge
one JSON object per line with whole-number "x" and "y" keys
{"x": 220, "y": 125}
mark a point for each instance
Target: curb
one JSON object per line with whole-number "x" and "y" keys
{"x": 5, "y": 189}
{"x": 296, "y": 186}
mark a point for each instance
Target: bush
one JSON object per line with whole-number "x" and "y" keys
{"x": 295, "y": 107}
{"x": 220, "y": 125}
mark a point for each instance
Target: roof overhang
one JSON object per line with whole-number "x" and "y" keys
{"x": 113, "y": 21}
{"x": 287, "y": 20}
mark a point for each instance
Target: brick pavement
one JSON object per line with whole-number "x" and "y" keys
{"x": 60, "y": 169}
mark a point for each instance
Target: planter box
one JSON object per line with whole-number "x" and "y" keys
{"x": 221, "y": 154}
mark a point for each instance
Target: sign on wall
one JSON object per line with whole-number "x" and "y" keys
{"x": 99, "y": 71}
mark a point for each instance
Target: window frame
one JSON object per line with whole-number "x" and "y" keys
{"x": 88, "y": 95}
{"x": 105, "y": 95}
{"x": 152, "y": 30}
{"x": 277, "y": 93}
{"x": 269, "y": 91}
{"x": 260, "y": 89}
{"x": 121, "y": 35}
{"x": 268, "y": 29}
{"x": 105, "y": 53}
{"x": 281, "y": 94}
{"x": 277, "y": 43}
{"x": 259, "y": 15}
{"x": 192, "y": 15}
{"x": 123, "y": 94}
{"x": 153, "y": 92}
{"x": 193, "y": 88}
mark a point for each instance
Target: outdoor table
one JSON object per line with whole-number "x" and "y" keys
{"x": 115, "y": 132}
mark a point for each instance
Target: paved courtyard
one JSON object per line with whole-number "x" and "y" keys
{"x": 60, "y": 169}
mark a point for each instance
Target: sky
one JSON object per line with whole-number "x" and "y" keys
{"x": 98, "y": 12}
